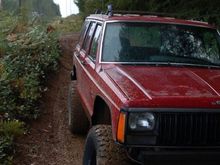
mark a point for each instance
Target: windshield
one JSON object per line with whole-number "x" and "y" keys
{"x": 160, "y": 43}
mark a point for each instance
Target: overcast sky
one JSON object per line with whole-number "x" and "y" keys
{"x": 67, "y": 7}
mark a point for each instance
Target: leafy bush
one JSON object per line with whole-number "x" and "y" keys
{"x": 11, "y": 128}
{"x": 7, "y": 24}
{"x": 8, "y": 131}
{"x": 70, "y": 24}
{"x": 27, "y": 54}
{"x": 6, "y": 149}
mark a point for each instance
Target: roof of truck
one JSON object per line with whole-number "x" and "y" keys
{"x": 148, "y": 18}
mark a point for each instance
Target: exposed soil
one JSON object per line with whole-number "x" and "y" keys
{"x": 48, "y": 141}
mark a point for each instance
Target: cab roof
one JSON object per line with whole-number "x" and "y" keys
{"x": 148, "y": 18}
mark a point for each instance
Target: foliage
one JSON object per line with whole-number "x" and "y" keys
{"x": 81, "y": 5}
{"x": 8, "y": 131}
{"x": 27, "y": 54}
{"x": 12, "y": 128}
{"x": 205, "y": 10}
{"x": 11, "y": 5}
{"x": 46, "y": 10}
{"x": 7, "y": 25}
{"x": 70, "y": 24}
{"x": 6, "y": 148}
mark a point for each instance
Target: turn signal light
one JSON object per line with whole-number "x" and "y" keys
{"x": 121, "y": 128}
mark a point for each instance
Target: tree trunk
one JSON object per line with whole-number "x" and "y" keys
{"x": 19, "y": 3}
{"x": 0, "y": 4}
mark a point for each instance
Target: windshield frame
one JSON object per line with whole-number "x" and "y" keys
{"x": 151, "y": 63}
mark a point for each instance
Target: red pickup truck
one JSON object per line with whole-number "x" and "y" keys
{"x": 146, "y": 86}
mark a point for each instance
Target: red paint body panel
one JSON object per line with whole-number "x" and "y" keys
{"x": 177, "y": 87}
{"x": 91, "y": 84}
{"x": 145, "y": 86}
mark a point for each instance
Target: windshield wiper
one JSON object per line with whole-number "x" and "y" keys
{"x": 181, "y": 60}
{"x": 171, "y": 64}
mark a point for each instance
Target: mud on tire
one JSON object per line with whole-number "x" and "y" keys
{"x": 77, "y": 120}
{"x": 100, "y": 148}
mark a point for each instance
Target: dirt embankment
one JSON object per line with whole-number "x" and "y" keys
{"x": 48, "y": 141}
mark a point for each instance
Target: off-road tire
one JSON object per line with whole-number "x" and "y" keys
{"x": 77, "y": 120}
{"x": 100, "y": 148}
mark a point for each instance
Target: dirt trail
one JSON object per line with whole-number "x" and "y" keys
{"x": 49, "y": 141}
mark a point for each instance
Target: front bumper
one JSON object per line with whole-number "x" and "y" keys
{"x": 146, "y": 155}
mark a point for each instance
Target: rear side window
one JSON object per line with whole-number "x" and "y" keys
{"x": 95, "y": 40}
{"x": 88, "y": 37}
{"x": 83, "y": 32}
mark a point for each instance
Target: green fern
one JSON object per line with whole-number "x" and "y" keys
{"x": 11, "y": 128}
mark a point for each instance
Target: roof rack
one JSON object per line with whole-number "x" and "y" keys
{"x": 110, "y": 12}
{"x": 141, "y": 13}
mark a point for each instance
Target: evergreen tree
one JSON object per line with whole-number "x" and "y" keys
{"x": 45, "y": 9}
{"x": 204, "y": 10}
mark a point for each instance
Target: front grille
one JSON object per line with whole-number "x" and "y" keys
{"x": 188, "y": 129}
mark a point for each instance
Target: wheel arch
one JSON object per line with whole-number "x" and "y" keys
{"x": 101, "y": 112}
{"x": 73, "y": 75}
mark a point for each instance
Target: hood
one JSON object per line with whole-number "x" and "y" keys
{"x": 167, "y": 86}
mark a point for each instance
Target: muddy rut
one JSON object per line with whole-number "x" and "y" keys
{"x": 48, "y": 140}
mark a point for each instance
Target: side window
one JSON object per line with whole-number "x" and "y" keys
{"x": 83, "y": 32}
{"x": 95, "y": 40}
{"x": 88, "y": 37}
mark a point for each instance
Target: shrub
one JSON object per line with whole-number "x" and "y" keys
{"x": 27, "y": 54}
{"x": 70, "y": 24}
{"x": 25, "y": 64}
{"x": 7, "y": 25}
{"x": 8, "y": 131}
{"x": 6, "y": 149}
{"x": 12, "y": 128}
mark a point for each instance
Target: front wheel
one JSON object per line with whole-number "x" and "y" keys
{"x": 100, "y": 148}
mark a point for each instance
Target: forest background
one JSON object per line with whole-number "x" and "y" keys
{"x": 204, "y": 10}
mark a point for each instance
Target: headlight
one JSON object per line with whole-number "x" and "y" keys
{"x": 141, "y": 121}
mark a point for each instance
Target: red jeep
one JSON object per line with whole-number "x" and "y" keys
{"x": 146, "y": 86}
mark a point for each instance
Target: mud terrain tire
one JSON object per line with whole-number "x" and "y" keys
{"x": 100, "y": 148}
{"x": 77, "y": 120}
